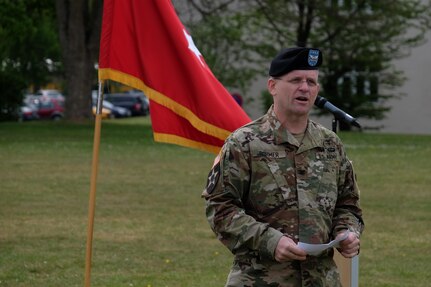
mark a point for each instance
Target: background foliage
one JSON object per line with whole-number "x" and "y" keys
{"x": 46, "y": 40}
{"x": 359, "y": 40}
{"x": 29, "y": 51}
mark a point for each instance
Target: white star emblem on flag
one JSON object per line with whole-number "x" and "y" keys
{"x": 193, "y": 47}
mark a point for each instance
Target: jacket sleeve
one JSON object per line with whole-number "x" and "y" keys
{"x": 225, "y": 211}
{"x": 348, "y": 213}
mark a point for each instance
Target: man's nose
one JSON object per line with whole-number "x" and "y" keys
{"x": 304, "y": 85}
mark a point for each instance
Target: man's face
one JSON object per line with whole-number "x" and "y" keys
{"x": 294, "y": 93}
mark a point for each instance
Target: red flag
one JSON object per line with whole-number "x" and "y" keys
{"x": 144, "y": 45}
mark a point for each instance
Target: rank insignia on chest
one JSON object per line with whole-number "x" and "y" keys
{"x": 330, "y": 150}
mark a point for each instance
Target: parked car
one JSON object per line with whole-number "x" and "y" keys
{"x": 51, "y": 94}
{"x": 136, "y": 103}
{"x": 28, "y": 112}
{"x": 141, "y": 94}
{"x": 50, "y": 109}
{"x": 31, "y": 99}
{"x": 109, "y": 109}
{"x": 106, "y": 113}
{"x": 116, "y": 111}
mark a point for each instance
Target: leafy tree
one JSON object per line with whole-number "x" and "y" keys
{"x": 11, "y": 86}
{"x": 79, "y": 23}
{"x": 359, "y": 38}
{"x": 218, "y": 31}
{"x": 28, "y": 49}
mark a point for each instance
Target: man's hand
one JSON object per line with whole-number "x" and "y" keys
{"x": 288, "y": 250}
{"x": 349, "y": 247}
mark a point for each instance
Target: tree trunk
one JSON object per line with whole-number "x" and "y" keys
{"x": 79, "y": 30}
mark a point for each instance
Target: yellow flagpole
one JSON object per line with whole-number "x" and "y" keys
{"x": 93, "y": 183}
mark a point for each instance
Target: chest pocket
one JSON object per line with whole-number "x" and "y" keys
{"x": 269, "y": 188}
{"x": 326, "y": 194}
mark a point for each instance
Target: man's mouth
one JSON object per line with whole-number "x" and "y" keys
{"x": 302, "y": 99}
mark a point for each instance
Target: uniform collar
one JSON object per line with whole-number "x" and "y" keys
{"x": 313, "y": 136}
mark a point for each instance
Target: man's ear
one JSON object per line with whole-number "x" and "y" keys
{"x": 270, "y": 84}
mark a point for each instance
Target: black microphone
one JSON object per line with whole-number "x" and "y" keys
{"x": 323, "y": 103}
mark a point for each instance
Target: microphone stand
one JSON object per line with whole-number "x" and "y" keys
{"x": 334, "y": 124}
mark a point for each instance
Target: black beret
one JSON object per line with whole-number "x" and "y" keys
{"x": 297, "y": 58}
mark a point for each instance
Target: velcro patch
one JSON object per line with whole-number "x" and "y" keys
{"x": 213, "y": 178}
{"x": 271, "y": 154}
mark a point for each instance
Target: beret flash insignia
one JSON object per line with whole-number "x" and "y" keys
{"x": 313, "y": 57}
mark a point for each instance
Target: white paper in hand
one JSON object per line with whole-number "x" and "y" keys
{"x": 316, "y": 249}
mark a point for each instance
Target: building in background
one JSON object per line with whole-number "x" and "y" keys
{"x": 411, "y": 113}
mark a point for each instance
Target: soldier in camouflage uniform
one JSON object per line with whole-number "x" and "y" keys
{"x": 284, "y": 179}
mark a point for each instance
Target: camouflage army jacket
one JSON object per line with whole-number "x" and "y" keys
{"x": 267, "y": 185}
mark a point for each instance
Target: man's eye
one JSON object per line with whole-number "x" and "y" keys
{"x": 311, "y": 83}
{"x": 296, "y": 81}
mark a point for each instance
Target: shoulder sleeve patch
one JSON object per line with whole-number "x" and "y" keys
{"x": 213, "y": 178}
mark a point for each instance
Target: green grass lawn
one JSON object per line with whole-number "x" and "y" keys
{"x": 150, "y": 228}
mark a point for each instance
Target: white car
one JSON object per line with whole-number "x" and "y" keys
{"x": 50, "y": 94}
